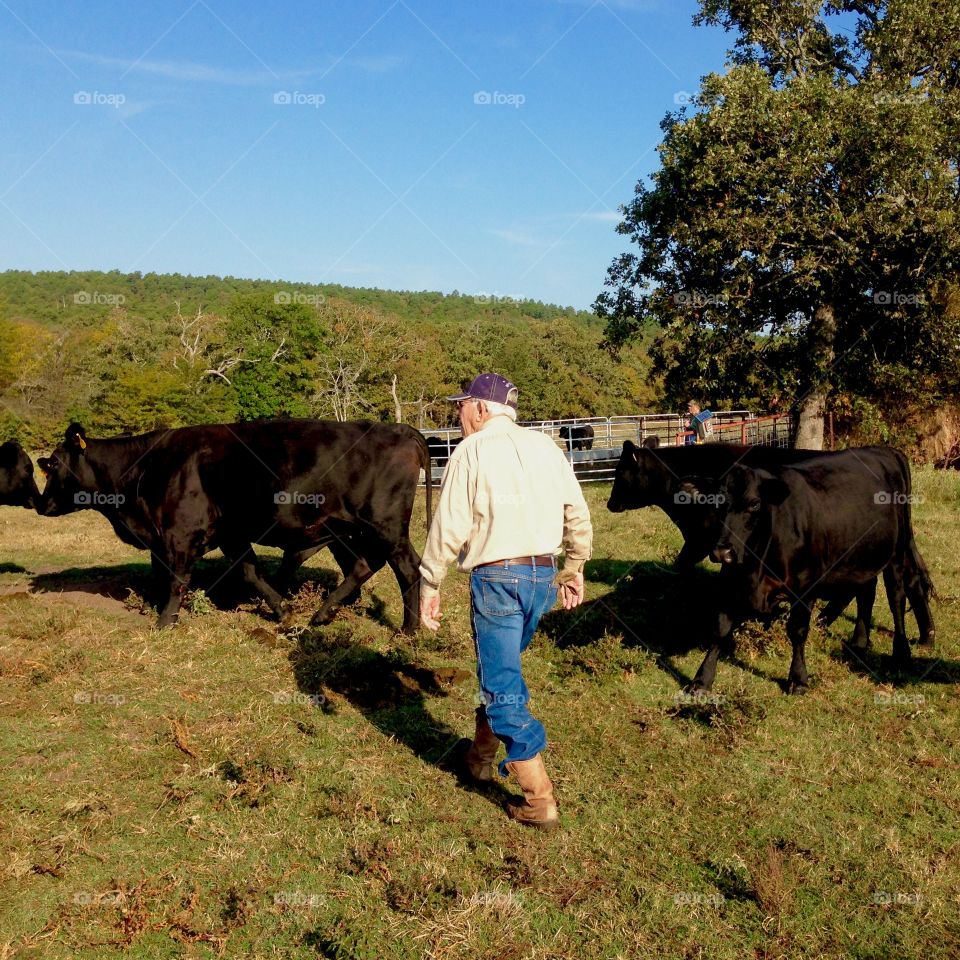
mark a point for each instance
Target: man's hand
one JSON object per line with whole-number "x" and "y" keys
{"x": 571, "y": 592}
{"x": 430, "y": 611}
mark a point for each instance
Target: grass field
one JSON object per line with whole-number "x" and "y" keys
{"x": 221, "y": 790}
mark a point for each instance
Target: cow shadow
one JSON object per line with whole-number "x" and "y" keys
{"x": 391, "y": 692}
{"x": 12, "y": 568}
{"x": 649, "y": 607}
{"x": 884, "y": 670}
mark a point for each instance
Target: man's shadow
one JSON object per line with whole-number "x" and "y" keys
{"x": 392, "y": 693}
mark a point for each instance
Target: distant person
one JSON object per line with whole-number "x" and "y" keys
{"x": 509, "y": 499}
{"x": 699, "y": 426}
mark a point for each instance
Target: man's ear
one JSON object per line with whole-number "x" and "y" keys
{"x": 773, "y": 492}
{"x": 75, "y": 437}
{"x": 651, "y": 443}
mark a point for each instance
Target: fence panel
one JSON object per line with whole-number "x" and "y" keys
{"x": 595, "y": 458}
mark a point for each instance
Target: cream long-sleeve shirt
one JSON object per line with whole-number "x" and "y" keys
{"x": 506, "y": 492}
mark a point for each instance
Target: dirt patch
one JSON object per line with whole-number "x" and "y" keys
{"x": 81, "y": 596}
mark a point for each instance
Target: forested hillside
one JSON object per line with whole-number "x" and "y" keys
{"x": 130, "y": 352}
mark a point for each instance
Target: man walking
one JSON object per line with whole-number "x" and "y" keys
{"x": 509, "y": 500}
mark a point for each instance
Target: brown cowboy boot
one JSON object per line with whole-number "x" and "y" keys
{"x": 483, "y": 750}
{"x": 539, "y": 808}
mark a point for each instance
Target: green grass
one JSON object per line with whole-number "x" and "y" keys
{"x": 221, "y": 790}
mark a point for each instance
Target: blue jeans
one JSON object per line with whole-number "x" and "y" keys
{"x": 506, "y": 606}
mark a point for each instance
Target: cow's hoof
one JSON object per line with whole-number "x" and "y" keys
{"x": 855, "y": 651}
{"x": 796, "y": 689}
{"x": 321, "y": 618}
{"x": 927, "y": 640}
{"x": 283, "y": 613}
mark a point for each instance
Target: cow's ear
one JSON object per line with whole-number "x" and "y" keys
{"x": 75, "y": 437}
{"x": 44, "y": 464}
{"x": 629, "y": 446}
{"x": 651, "y": 443}
{"x": 773, "y": 492}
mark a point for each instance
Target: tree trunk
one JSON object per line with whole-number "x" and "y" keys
{"x": 811, "y": 409}
{"x": 810, "y": 422}
{"x": 397, "y": 409}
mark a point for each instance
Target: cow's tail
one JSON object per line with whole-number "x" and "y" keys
{"x": 917, "y": 579}
{"x": 426, "y": 464}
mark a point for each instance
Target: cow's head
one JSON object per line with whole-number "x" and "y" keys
{"x": 633, "y": 482}
{"x": 746, "y": 498}
{"x": 70, "y": 479}
{"x": 17, "y": 486}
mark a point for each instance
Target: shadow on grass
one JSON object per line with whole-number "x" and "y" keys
{"x": 391, "y": 692}
{"x": 12, "y": 568}
{"x": 654, "y": 608}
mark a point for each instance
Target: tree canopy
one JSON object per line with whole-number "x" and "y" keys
{"x": 800, "y": 237}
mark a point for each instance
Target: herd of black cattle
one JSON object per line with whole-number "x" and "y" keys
{"x": 787, "y": 526}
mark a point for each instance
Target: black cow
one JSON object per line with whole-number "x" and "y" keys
{"x": 17, "y": 486}
{"x": 647, "y": 476}
{"x": 294, "y": 484}
{"x": 579, "y": 436}
{"x": 821, "y": 529}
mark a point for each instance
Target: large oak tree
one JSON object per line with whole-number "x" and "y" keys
{"x": 800, "y": 239}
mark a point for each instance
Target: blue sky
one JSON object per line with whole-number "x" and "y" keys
{"x": 323, "y": 142}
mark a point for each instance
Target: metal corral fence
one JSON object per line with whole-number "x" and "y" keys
{"x": 600, "y": 461}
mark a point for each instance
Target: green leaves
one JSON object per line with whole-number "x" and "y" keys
{"x": 806, "y": 177}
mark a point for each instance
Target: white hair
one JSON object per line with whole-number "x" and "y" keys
{"x": 501, "y": 409}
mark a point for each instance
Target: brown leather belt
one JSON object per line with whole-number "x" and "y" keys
{"x": 543, "y": 560}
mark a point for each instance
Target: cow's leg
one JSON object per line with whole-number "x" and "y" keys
{"x": 405, "y": 563}
{"x": 798, "y": 626}
{"x": 362, "y": 571}
{"x": 722, "y": 637}
{"x": 897, "y": 597}
{"x": 834, "y": 609}
{"x": 177, "y": 583}
{"x": 242, "y": 554}
{"x": 292, "y": 561}
{"x": 159, "y": 580}
{"x": 344, "y": 553}
{"x": 860, "y": 641}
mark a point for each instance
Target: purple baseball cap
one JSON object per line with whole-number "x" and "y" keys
{"x": 490, "y": 386}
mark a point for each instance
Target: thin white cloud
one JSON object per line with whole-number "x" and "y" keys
{"x": 190, "y": 72}
{"x": 519, "y": 238}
